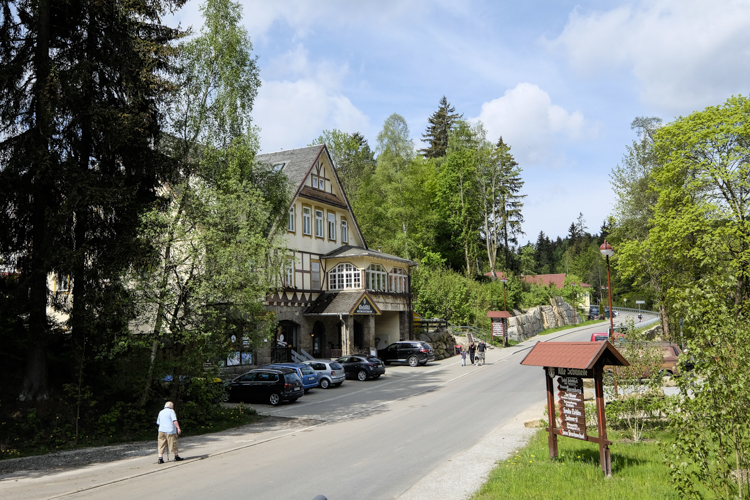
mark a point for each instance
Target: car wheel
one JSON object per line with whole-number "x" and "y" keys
{"x": 325, "y": 384}
{"x": 224, "y": 397}
{"x": 274, "y": 399}
{"x": 413, "y": 361}
{"x": 361, "y": 375}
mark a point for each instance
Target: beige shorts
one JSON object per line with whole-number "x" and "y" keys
{"x": 167, "y": 439}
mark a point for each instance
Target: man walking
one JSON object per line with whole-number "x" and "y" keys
{"x": 169, "y": 428}
{"x": 472, "y": 350}
{"x": 480, "y": 353}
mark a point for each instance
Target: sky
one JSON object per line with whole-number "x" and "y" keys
{"x": 560, "y": 81}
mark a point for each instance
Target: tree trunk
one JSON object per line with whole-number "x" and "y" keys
{"x": 664, "y": 320}
{"x": 35, "y": 383}
{"x": 35, "y": 386}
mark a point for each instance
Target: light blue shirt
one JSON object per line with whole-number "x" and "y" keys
{"x": 166, "y": 420}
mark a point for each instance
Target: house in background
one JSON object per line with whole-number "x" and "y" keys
{"x": 338, "y": 296}
{"x": 583, "y": 290}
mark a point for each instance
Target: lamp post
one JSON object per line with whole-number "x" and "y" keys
{"x": 606, "y": 250}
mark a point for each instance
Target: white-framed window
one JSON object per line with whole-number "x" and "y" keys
{"x": 289, "y": 272}
{"x": 62, "y": 282}
{"x": 306, "y": 221}
{"x": 316, "y": 275}
{"x": 332, "y": 226}
{"x": 397, "y": 280}
{"x": 344, "y": 232}
{"x": 344, "y": 276}
{"x": 315, "y": 181}
{"x": 290, "y": 225}
{"x": 322, "y": 184}
{"x": 376, "y": 277}
{"x": 319, "y": 224}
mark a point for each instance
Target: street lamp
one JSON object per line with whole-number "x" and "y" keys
{"x": 505, "y": 306}
{"x": 606, "y": 250}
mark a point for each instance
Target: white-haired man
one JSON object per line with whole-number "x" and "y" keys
{"x": 169, "y": 428}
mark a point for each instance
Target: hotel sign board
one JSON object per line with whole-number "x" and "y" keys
{"x": 568, "y": 363}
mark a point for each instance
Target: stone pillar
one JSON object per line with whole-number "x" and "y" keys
{"x": 347, "y": 335}
{"x": 368, "y": 330}
{"x": 403, "y": 326}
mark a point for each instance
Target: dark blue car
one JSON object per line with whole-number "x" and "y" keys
{"x": 305, "y": 372}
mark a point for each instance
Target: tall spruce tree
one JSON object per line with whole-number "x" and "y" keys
{"x": 511, "y": 201}
{"x": 79, "y": 122}
{"x": 437, "y": 134}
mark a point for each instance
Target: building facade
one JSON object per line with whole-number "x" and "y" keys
{"x": 337, "y": 296}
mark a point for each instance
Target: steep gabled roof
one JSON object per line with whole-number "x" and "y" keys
{"x": 297, "y": 165}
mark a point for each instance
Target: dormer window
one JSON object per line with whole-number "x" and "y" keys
{"x": 318, "y": 182}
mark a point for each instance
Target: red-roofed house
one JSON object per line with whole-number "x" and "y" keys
{"x": 552, "y": 279}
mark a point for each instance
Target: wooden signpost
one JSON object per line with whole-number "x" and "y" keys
{"x": 499, "y": 324}
{"x": 569, "y": 363}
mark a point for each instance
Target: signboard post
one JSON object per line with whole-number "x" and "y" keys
{"x": 499, "y": 324}
{"x": 583, "y": 360}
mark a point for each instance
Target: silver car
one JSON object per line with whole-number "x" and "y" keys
{"x": 329, "y": 372}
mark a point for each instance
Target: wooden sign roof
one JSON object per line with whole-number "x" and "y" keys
{"x": 582, "y": 355}
{"x": 498, "y": 314}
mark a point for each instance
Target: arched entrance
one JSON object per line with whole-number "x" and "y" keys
{"x": 319, "y": 340}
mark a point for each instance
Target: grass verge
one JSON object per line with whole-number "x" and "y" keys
{"x": 638, "y": 471}
{"x": 568, "y": 327}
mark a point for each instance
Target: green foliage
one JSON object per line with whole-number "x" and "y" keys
{"x": 441, "y": 124}
{"x": 711, "y": 453}
{"x": 636, "y": 401}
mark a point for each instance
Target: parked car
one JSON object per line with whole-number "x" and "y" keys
{"x": 329, "y": 372}
{"x": 267, "y": 385}
{"x": 362, "y": 367}
{"x": 614, "y": 313}
{"x": 599, "y": 337}
{"x": 593, "y": 312}
{"x": 407, "y": 351}
{"x": 305, "y": 372}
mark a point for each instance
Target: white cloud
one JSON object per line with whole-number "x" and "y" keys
{"x": 686, "y": 54}
{"x": 293, "y": 112}
{"x": 534, "y": 127}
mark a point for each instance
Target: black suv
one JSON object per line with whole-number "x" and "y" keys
{"x": 266, "y": 384}
{"x": 413, "y": 352}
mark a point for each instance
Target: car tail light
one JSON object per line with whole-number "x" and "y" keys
{"x": 288, "y": 386}
{"x": 423, "y": 350}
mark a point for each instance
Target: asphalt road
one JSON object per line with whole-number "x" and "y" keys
{"x": 369, "y": 440}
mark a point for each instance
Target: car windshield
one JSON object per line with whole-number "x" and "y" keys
{"x": 336, "y": 366}
{"x": 307, "y": 370}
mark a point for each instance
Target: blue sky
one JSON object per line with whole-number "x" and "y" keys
{"x": 560, "y": 81}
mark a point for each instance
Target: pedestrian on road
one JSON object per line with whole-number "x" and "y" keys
{"x": 472, "y": 349}
{"x": 480, "y": 353}
{"x": 169, "y": 428}
{"x": 463, "y": 356}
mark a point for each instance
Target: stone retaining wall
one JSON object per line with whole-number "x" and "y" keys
{"x": 537, "y": 319}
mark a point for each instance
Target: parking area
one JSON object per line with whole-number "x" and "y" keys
{"x": 360, "y": 398}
